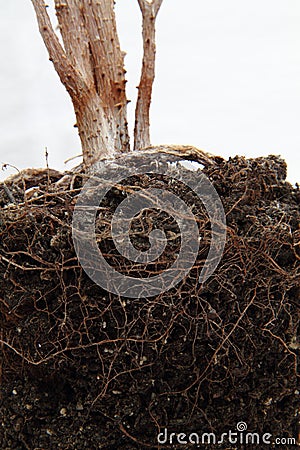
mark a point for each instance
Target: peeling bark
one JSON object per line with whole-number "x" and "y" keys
{"x": 90, "y": 65}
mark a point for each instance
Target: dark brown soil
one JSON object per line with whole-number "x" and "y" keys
{"x": 85, "y": 369}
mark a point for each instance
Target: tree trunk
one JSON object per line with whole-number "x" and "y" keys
{"x": 91, "y": 67}
{"x": 90, "y": 64}
{"x": 96, "y": 136}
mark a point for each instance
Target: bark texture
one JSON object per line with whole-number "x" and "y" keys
{"x": 90, "y": 64}
{"x": 142, "y": 112}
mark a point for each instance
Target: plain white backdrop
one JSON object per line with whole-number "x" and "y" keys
{"x": 227, "y": 81}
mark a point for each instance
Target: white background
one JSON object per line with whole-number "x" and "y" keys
{"x": 228, "y": 81}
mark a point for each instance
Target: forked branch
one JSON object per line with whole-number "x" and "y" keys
{"x": 90, "y": 64}
{"x": 142, "y": 111}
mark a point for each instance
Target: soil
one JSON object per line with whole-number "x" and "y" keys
{"x": 82, "y": 368}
